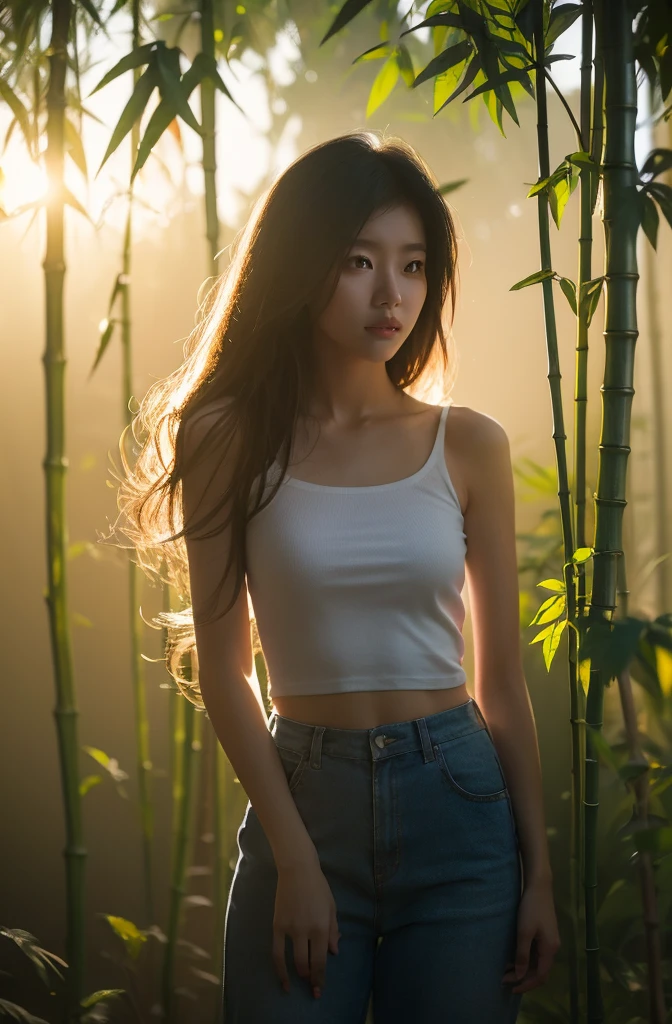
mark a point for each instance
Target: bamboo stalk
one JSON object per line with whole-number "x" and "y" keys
{"x": 184, "y": 740}
{"x": 644, "y": 859}
{"x": 55, "y": 467}
{"x": 138, "y": 680}
{"x": 621, "y": 223}
{"x": 560, "y": 438}
{"x": 208, "y": 117}
{"x": 577, "y": 696}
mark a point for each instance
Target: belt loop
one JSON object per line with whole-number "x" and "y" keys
{"x": 427, "y": 751}
{"x": 271, "y": 720}
{"x": 316, "y": 747}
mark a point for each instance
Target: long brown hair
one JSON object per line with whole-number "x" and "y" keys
{"x": 252, "y": 346}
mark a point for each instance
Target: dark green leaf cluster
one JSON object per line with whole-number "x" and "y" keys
{"x": 162, "y": 72}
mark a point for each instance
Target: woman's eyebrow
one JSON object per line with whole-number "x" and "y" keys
{"x": 409, "y": 246}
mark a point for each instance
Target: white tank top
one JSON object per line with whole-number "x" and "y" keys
{"x": 359, "y": 588}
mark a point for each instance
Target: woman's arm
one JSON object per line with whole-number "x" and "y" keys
{"x": 225, "y": 660}
{"x": 500, "y": 687}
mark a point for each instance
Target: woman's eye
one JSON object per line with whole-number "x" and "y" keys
{"x": 366, "y": 258}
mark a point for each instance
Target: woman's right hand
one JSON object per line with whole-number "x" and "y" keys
{"x": 306, "y": 911}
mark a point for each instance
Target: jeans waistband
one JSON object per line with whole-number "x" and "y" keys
{"x": 382, "y": 741}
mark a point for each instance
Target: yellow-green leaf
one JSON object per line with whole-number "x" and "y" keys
{"x": 557, "y": 586}
{"x": 88, "y": 783}
{"x": 103, "y": 993}
{"x": 383, "y": 84}
{"x": 551, "y": 642}
{"x": 129, "y": 934}
{"x": 550, "y": 610}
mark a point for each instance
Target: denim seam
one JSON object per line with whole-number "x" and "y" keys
{"x": 499, "y": 794}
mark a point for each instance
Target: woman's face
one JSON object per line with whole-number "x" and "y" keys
{"x": 383, "y": 275}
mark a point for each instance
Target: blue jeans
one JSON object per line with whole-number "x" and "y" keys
{"x": 415, "y": 833}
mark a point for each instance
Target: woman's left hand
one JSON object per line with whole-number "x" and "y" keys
{"x": 538, "y": 939}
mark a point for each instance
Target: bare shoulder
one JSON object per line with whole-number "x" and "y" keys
{"x": 472, "y": 439}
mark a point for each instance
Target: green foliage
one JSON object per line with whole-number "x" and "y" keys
{"x": 131, "y": 936}
{"x": 13, "y": 1012}
{"x": 40, "y": 958}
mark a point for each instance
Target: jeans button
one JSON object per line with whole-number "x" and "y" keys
{"x": 379, "y": 741}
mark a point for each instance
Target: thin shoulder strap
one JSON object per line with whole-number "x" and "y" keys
{"x": 441, "y": 432}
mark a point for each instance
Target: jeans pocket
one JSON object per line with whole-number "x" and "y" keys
{"x": 471, "y": 766}
{"x": 293, "y": 763}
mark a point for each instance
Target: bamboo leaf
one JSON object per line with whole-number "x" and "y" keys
{"x": 590, "y": 297}
{"x": 537, "y": 187}
{"x": 499, "y": 16}
{"x": 512, "y": 75}
{"x": 133, "y": 110}
{"x": 110, "y": 764}
{"x": 405, "y": 62}
{"x": 170, "y": 86}
{"x": 349, "y": 10}
{"x": 383, "y": 84}
{"x": 205, "y": 66}
{"x": 20, "y": 113}
{"x": 644, "y": 670}
{"x": 550, "y": 610}
{"x": 196, "y": 900}
{"x": 160, "y": 120}
{"x": 569, "y": 291}
{"x": 39, "y": 957}
{"x": 97, "y": 997}
{"x": 525, "y": 21}
{"x": 119, "y": 282}
{"x": 14, "y": 1012}
{"x": 81, "y": 620}
{"x": 663, "y": 196}
{"x": 560, "y": 189}
{"x": 443, "y": 20}
{"x": 539, "y": 275}
{"x": 449, "y": 58}
{"x": 657, "y": 162}
{"x": 558, "y": 56}
{"x": 205, "y": 975}
{"x": 92, "y": 13}
{"x": 374, "y": 52}
{"x": 562, "y": 17}
{"x": 611, "y": 645}
{"x": 558, "y": 586}
{"x": 134, "y": 59}
{"x": 512, "y": 48}
{"x": 108, "y": 329}
{"x": 542, "y": 634}
{"x": 582, "y": 159}
{"x": 552, "y": 641}
{"x": 473, "y": 67}
{"x": 88, "y": 783}
{"x": 649, "y": 218}
{"x": 72, "y": 201}
{"x": 132, "y": 938}
{"x": 75, "y": 147}
{"x": 450, "y": 186}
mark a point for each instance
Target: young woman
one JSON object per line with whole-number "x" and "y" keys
{"x": 394, "y": 843}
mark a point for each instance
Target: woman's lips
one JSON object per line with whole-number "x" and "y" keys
{"x": 385, "y": 332}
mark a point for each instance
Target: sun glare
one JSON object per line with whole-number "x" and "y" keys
{"x": 22, "y": 182}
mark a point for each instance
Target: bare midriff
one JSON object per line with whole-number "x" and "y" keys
{"x": 368, "y": 709}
